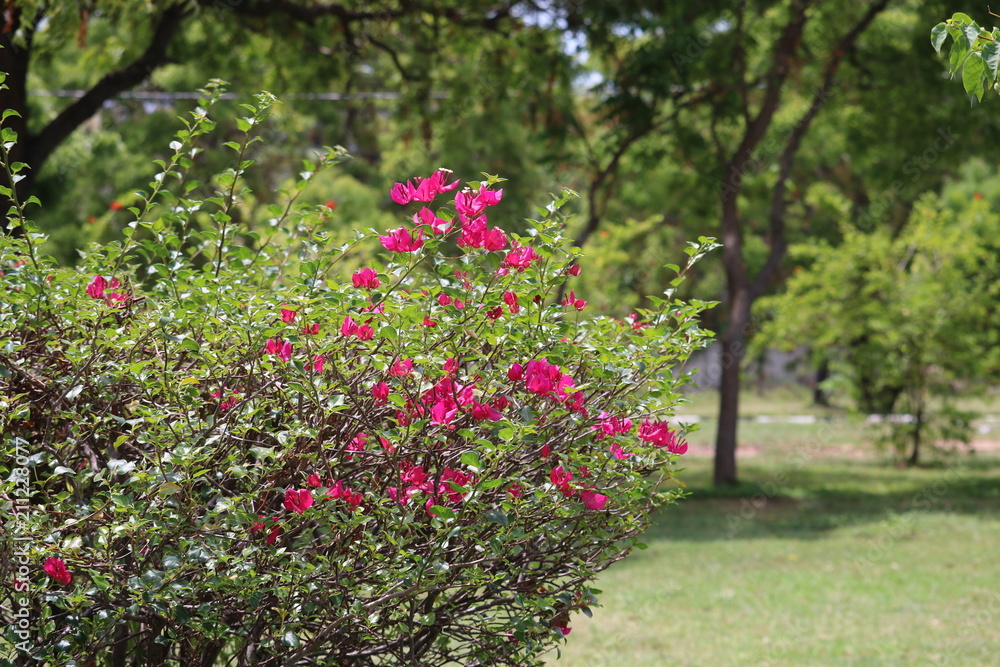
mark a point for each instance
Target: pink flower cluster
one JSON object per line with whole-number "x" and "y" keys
{"x": 366, "y": 278}
{"x": 279, "y": 348}
{"x": 351, "y": 328}
{"x": 231, "y": 402}
{"x": 561, "y": 478}
{"x": 661, "y": 435}
{"x": 545, "y": 379}
{"x": 470, "y": 205}
{"x": 415, "y": 480}
{"x": 422, "y": 189}
{"x": 56, "y": 568}
{"x": 98, "y": 289}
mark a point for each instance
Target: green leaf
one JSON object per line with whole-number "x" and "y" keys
{"x": 291, "y": 640}
{"x": 958, "y": 53}
{"x": 991, "y": 56}
{"x": 496, "y": 516}
{"x": 471, "y": 459}
{"x": 442, "y": 512}
{"x": 972, "y": 75}
{"x": 168, "y": 489}
{"x": 971, "y": 33}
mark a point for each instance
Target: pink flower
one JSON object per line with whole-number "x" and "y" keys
{"x": 426, "y": 217}
{"x": 471, "y": 203}
{"x": 516, "y": 372}
{"x": 428, "y": 322}
{"x": 402, "y": 240}
{"x": 511, "y": 300}
{"x": 450, "y": 365}
{"x": 349, "y": 327}
{"x": 661, "y": 435}
{"x": 402, "y": 193}
{"x": 313, "y": 480}
{"x": 515, "y": 490}
{"x": 298, "y": 501}
{"x": 318, "y": 362}
{"x": 424, "y": 190}
{"x": 398, "y": 497}
{"x": 443, "y": 412}
{"x": 450, "y": 480}
{"x": 56, "y": 568}
{"x": 546, "y": 451}
{"x": 288, "y": 315}
{"x": 617, "y": 451}
{"x": 485, "y": 411}
{"x": 365, "y": 332}
{"x": 380, "y": 391}
{"x": 310, "y": 329}
{"x": 444, "y": 299}
{"x": 520, "y": 257}
{"x": 543, "y": 378}
{"x": 475, "y": 234}
{"x": 611, "y": 425}
{"x": 366, "y": 278}
{"x": 573, "y": 270}
{"x": 561, "y": 478}
{"x": 593, "y": 500}
{"x": 501, "y": 402}
{"x": 495, "y": 313}
{"x": 571, "y": 300}
{"x": 96, "y": 290}
{"x": 279, "y": 348}
{"x": 357, "y": 444}
{"x": 260, "y": 525}
{"x": 272, "y": 537}
{"x": 401, "y": 367}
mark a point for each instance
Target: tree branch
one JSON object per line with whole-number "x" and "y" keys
{"x": 110, "y": 85}
{"x": 778, "y": 244}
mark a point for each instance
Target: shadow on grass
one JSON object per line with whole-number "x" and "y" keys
{"x": 804, "y": 502}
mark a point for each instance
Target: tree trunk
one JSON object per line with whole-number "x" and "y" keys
{"x": 820, "y": 399}
{"x": 733, "y": 343}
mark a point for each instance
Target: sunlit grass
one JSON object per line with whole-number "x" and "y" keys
{"x": 812, "y": 561}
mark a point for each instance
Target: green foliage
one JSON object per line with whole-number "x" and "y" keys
{"x": 240, "y": 451}
{"x": 974, "y": 53}
{"x": 903, "y": 316}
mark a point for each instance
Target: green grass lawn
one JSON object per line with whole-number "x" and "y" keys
{"x": 818, "y": 559}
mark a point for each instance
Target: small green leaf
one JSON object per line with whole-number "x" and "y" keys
{"x": 972, "y": 75}
{"x": 442, "y": 512}
{"x": 496, "y": 516}
{"x": 991, "y": 56}
{"x": 471, "y": 459}
{"x": 168, "y": 489}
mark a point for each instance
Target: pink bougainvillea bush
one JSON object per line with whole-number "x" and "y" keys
{"x": 223, "y": 449}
